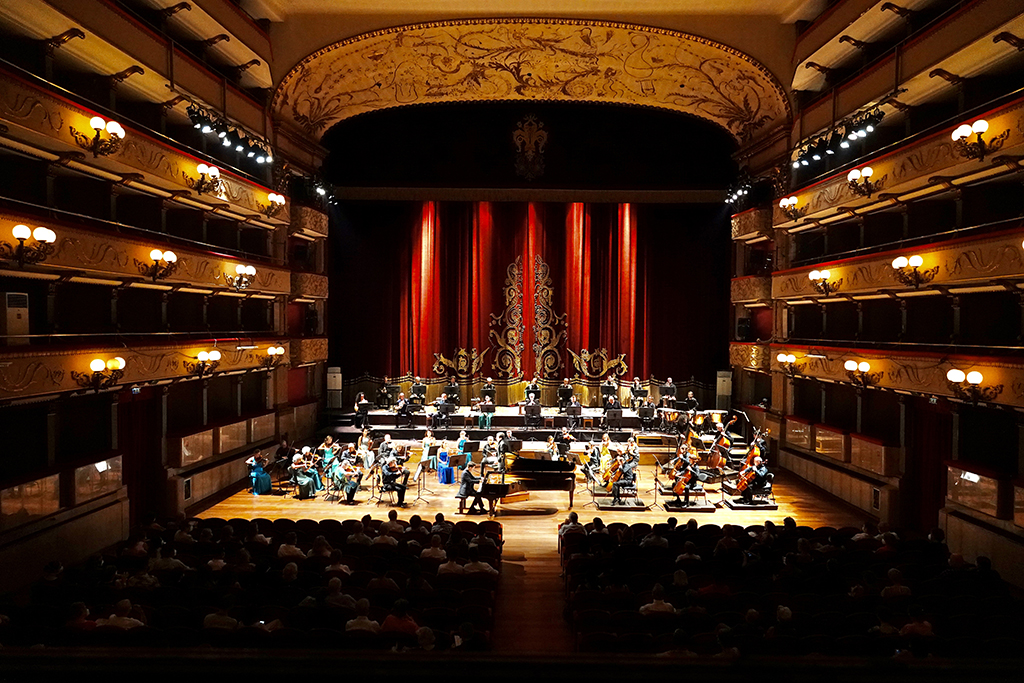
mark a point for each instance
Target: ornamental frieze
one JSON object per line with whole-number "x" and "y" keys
{"x": 308, "y": 221}
{"x": 309, "y": 285}
{"x": 751, "y": 288}
{"x": 958, "y": 262}
{"x": 752, "y": 223}
{"x": 312, "y": 350}
{"x": 753, "y": 356}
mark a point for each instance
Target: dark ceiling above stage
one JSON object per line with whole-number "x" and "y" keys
{"x": 471, "y": 146}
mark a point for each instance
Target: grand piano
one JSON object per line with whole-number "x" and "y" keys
{"x": 529, "y": 474}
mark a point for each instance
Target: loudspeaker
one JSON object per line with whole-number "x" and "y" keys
{"x": 723, "y": 387}
{"x": 743, "y": 329}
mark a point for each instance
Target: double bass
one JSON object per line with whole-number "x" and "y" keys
{"x": 715, "y": 457}
{"x": 683, "y": 481}
{"x": 747, "y": 473}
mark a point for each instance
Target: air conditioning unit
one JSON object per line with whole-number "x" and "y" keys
{"x": 334, "y": 386}
{"x": 14, "y": 317}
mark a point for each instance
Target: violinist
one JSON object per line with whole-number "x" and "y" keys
{"x": 328, "y": 450}
{"x": 551, "y": 449}
{"x": 754, "y": 479}
{"x": 348, "y": 477}
{"x": 365, "y": 440}
{"x": 395, "y": 477}
{"x": 625, "y": 477}
{"x": 648, "y": 422}
{"x": 386, "y": 449}
{"x": 574, "y": 420}
{"x": 634, "y": 389}
{"x": 402, "y": 410}
{"x": 304, "y": 476}
{"x": 490, "y": 456}
{"x": 440, "y": 418}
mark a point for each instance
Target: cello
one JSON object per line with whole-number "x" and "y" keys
{"x": 715, "y": 457}
{"x": 684, "y": 480}
{"x": 747, "y": 474}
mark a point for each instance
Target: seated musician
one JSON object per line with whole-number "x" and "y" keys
{"x": 760, "y": 483}
{"x": 261, "y": 482}
{"x": 385, "y": 449}
{"x": 490, "y": 457}
{"x": 439, "y": 418}
{"x": 328, "y": 450}
{"x": 634, "y": 389}
{"x": 574, "y": 420}
{"x": 690, "y": 476}
{"x": 612, "y": 404}
{"x": 402, "y": 409}
{"x": 565, "y": 437}
{"x": 419, "y": 391}
{"x": 648, "y": 422}
{"x": 362, "y": 411}
{"x": 395, "y": 477}
{"x": 628, "y": 477}
{"x": 563, "y": 402}
{"x": 485, "y": 417}
{"x": 489, "y": 384}
{"x": 532, "y": 420}
{"x": 467, "y": 489}
{"x": 604, "y": 453}
{"x": 283, "y": 456}
{"x": 347, "y": 477}
{"x": 304, "y": 475}
{"x": 668, "y": 399}
{"x": 383, "y": 398}
{"x": 365, "y": 440}
{"x": 533, "y": 388}
{"x": 350, "y": 453}
{"x": 690, "y": 404}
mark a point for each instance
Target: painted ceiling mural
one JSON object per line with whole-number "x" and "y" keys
{"x": 532, "y": 60}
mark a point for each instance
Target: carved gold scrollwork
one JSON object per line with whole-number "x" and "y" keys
{"x": 463, "y": 363}
{"x": 597, "y": 364}
{"x": 508, "y": 338}
{"x": 546, "y": 321}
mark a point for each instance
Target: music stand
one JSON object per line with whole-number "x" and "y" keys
{"x": 532, "y": 412}
{"x": 613, "y": 418}
{"x": 446, "y": 410}
{"x": 420, "y": 474}
{"x": 645, "y": 413}
{"x": 489, "y": 392}
{"x": 535, "y": 393}
{"x": 393, "y": 390}
{"x": 564, "y": 396}
{"x": 418, "y": 393}
{"x": 453, "y": 392}
{"x": 667, "y": 393}
{"x": 608, "y": 390}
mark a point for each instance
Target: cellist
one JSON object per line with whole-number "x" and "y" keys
{"x": 625, "y": 476}
{"x": 689, "y": 479}
{"x": 756, "y": 477}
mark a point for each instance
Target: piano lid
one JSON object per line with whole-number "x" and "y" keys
{"x": 520, "y": 465}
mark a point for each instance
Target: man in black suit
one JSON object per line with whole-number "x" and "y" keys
{"x": 533, "y": 388}
{"x": 574, "y": 420}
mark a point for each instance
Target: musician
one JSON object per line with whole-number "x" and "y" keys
{"x": 563, "y": 402}
{"x": 504, "y": 447}
{"x": 489, "y": 384}
{"x": 467, "y": 489}
{"x": 395, "y": 477}
{"x": 551, "y": 448}
{"x": 490, "y": 457}
{"x": 648, "y": 422}
{"x": 460, "y": 447}
{"x": 485, "y": 417}
{"x": 429, "y": 442}
{"x": 418, "y": 391}
{"x": 533, "y": 388}
{"x": 383, "y": 397}
{"x": 665, "y": 397}
{"x": 283, "y": 456}
{"x": 690, "y": 404}
{"x": 365, "y": 440}
{"x": 386, "y": 449}
{"x": 532, "y": 420}
{"x": 328, "y": 450}
{"x": 627, "y": 479}
{"x": 634, "y": 389}
{"x": 304, "y": 475}
{"x": 348, "y": 477}
{"x": 439, "y": 418}
{"x": 349, "y": 454}
{"x": 761, "y": 482}
{"x": 689, "y": 473}
{"x": 722, "y": 442}
{"x": 565, "y": 437}
{"x": 574, "y": 420}
{"x": 612, "y": 404}
{"x": 362, "y": 409}
{"x": 261, "y": 482}
{"x": 402, "y": 410}
{"x": 604, "y": 453}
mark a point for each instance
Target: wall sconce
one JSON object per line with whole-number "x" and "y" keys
{"x": 209, "y": 180}
{"x": 164, "y": 265}
{"x": 979, "y": 148}
{"x": 243, "y": 277}
{"x": 789, "y": 364}
{"x": 275, "y": 354}
{"x": 96, "y": 143}
{"x": 906, "y": 271}
{"x": 104, "y": 374}
{"x": 275, "y": 203}
{"x": 968, "y": 386}
{"x": 859, "y": 182}
{"x": 860, "y": 373}
{"x": 205, "y": 363}
{"x": 788, "y": 206}
{"x": 41, "y": 247}
{"x": 820, "y": 280}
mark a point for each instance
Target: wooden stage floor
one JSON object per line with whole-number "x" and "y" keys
{"x": 530, "y": 601}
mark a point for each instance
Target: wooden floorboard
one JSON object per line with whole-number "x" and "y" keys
{"x": 529, "y": 603}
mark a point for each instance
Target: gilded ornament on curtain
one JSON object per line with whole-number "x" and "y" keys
{"x": 530, "y": 138}
{"x": 597, "y": 364}
{"x": 463, "y": 363}
{"x": 546, "y": 322}
{"x": 511, "y": 329}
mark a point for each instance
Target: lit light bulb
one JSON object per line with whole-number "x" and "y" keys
{"x": 790, "y": 358}
{"x": 280, "y": 350}
{"x": 214, "y": 172}
{"x": 21, "y": 232}
{"x": 979, "y": 126}
{"x": 250, "y": 270}
{"x": 116, "y": 363}
{"x": 48, "y": 236}
{"x": 170, "y": 257}
{"x": 39, "y": 234}
{"x": 853, "y": 175}
{"x": 203, "y": 356}
{"x": 863, "y": 366}
{"x": 962, "y": 132}
{"x": 824, "y": 275}
{"x": 783, "y": 203}
{"x": 781, "y": 358}
{"x": 867, "y": 172}
{"x": 114, "y": 129}
{"x": 215, "y": 355}
{"x": 814, "y": 275}
{"x": 156, "y": 255}
{"x": 239, "y": 269}
{"x": 956, "y": 376}
{"x": 97, "y": 365}
{"x": 850, "y": 365}
{"x": 97, "y": 123}
{"x": 272, "y": 351}
{"x": 916, "y": 261}
{"x": 203, "y": 169}
{"x": 272, "y": 198}
{"x": 974, "y": 377}
{"x": 899, "y": 262}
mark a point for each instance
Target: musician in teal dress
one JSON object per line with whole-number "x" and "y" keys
{"x": 261, "y": 482}
{"x": 304, "y": 477}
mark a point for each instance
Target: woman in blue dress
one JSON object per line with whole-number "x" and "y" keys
{"x": 261, "y": 482}
{"x": 304, "y": 475}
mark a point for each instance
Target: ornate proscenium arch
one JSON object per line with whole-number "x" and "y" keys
{"x": 532, "y": 59}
